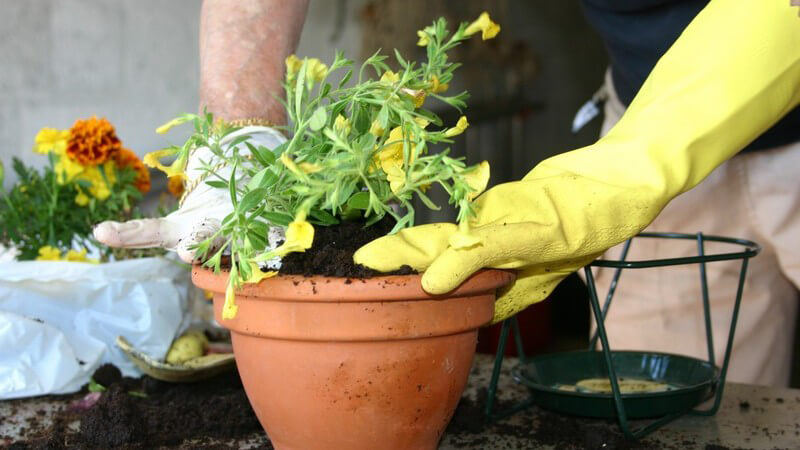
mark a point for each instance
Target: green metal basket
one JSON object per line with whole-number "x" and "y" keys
{"x": 690, "y": 381}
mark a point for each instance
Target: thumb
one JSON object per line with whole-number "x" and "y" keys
{"x": 143, "y": 233}
{"x": 416, "y": 247}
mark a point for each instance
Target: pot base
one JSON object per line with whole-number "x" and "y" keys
{"x": 397, "y": 394}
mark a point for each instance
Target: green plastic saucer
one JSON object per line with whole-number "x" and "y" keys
{"x": 551, "y": 379}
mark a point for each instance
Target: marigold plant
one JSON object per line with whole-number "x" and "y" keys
{"x": 49, "y": 213}
{"x": 355, "y": 150}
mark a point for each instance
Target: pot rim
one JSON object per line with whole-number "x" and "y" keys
{"x": 299, "y": 288}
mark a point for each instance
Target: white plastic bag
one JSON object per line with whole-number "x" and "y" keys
{"x": 59, "y": 320}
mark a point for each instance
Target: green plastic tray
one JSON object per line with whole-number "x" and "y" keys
{"x": 692, "y": 380}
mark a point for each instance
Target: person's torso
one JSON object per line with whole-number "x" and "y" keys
{"x": 638, "y": 32}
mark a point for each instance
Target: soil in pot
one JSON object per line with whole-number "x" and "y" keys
{"x": 331, "y": 253}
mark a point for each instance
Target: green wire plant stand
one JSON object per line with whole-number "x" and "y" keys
{"x": 686, "y": 382}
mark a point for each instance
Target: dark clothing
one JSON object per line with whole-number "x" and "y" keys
{"x": 638, "y": 32}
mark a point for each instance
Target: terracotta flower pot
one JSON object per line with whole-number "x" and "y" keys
{"x": 335, "y": 363}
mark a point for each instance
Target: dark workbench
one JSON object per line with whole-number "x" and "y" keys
{"x": 751, "y": 416}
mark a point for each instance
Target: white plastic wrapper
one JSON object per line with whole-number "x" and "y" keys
{"x": 59, "y": 320}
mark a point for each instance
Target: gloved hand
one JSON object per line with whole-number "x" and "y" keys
{"x": 201, "y": 213}
{"x": 733, "y": 73}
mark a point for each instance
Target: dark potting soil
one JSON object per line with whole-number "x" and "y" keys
{"x": 145, "y": 413}
{"x": 331, "y": 253}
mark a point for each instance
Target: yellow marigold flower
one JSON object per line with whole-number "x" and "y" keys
{"x": 229, "y": 308}
{"x": 51, "y": 140}
{"x": 424, "y": 39}
{"x": 92, "y": 141}
{"x": 375, "y": 129}
{"x": 67, "y": 170}
{"x": 477, "y": 179}
{"x": 79, "y": 256}
{"x": 461, "y": 125}
{"x": 81, "y": 199}
{"x": 256, "y": 274}
{"x": 390, "y": 77}
{"x": 485, "y": 25}
{"x": 49, "y": 253}
{"x": 176, "y": 169}
{"x": 175, "y": 186}
{"x": 342, "y": 124}
{"x": 100, "y": 186}
{"x": 392, "y": 150}
{"x": 437, "y": 87}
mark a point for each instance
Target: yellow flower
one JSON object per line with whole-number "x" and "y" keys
{"x": 67, "y": 169}
{"x": 375, "y": 129}
{"x": 79, "y": 256}
{"x": 390, "y": 77}
{"x": 316, "y": 69}
{"x": 299, "y": 237}
{"x": 395, "y": 175}
{"x": 477, "y": 179}
{"x": 256, "y": 274}
{"x": 293, "y": 64}
{"x": 437, "y": 87}
{"x": 485, "y": 25}
{"x": 229, "y": 308}
{"x": 461, "y": 125}
{"x": 342, "y": 124}
{"x": 100, "y": 186}
{"x": 81, "y": 199}
{"x": 49, "y": 253}
{"x": 176, "y": 169}
{"x": 417, "y": 95}
{"x": 424, "y": 39}
{"x": 163, "y": 129}
{"x": 51, "y": 140}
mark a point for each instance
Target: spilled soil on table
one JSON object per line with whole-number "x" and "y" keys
{"x": 145, "y": 413}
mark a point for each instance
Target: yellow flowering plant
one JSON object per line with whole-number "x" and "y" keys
{"x": 355, "y": 150}
{"x": 89, "y": 177}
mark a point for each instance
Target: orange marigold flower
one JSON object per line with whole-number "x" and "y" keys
{"x": 175, "y": 186}
{"x": 92, "y": 141}
{"x": 126, "y": 158}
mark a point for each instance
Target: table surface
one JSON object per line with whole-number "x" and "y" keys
{"x": 756, "y": 417}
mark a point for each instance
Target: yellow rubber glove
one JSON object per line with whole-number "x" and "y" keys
{"x": 733, "y": 73}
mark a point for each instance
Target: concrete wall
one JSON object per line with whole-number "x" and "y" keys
{"x": 132, "y": 61}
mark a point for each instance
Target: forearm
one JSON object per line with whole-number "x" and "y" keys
{"x": 243, "y": 45}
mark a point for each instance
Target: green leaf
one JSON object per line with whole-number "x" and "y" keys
{"x": 277, "y": 218}
{"x": 383, "y": 117}
{"x": 324, "y": 217}
{"x": 318, "y": 119}
{"x": 217, "y": 184}
{"x": 94, "y": 386}
{"x": 359, "y": 200}
{"x": 232, "y": 186}
{"x": 427, "y": 201}
{"x": 238, "y": 140}
{"x": 400, "y": 59}
{"x": 251, "y": 199}
{"x": 263, "y": 179}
